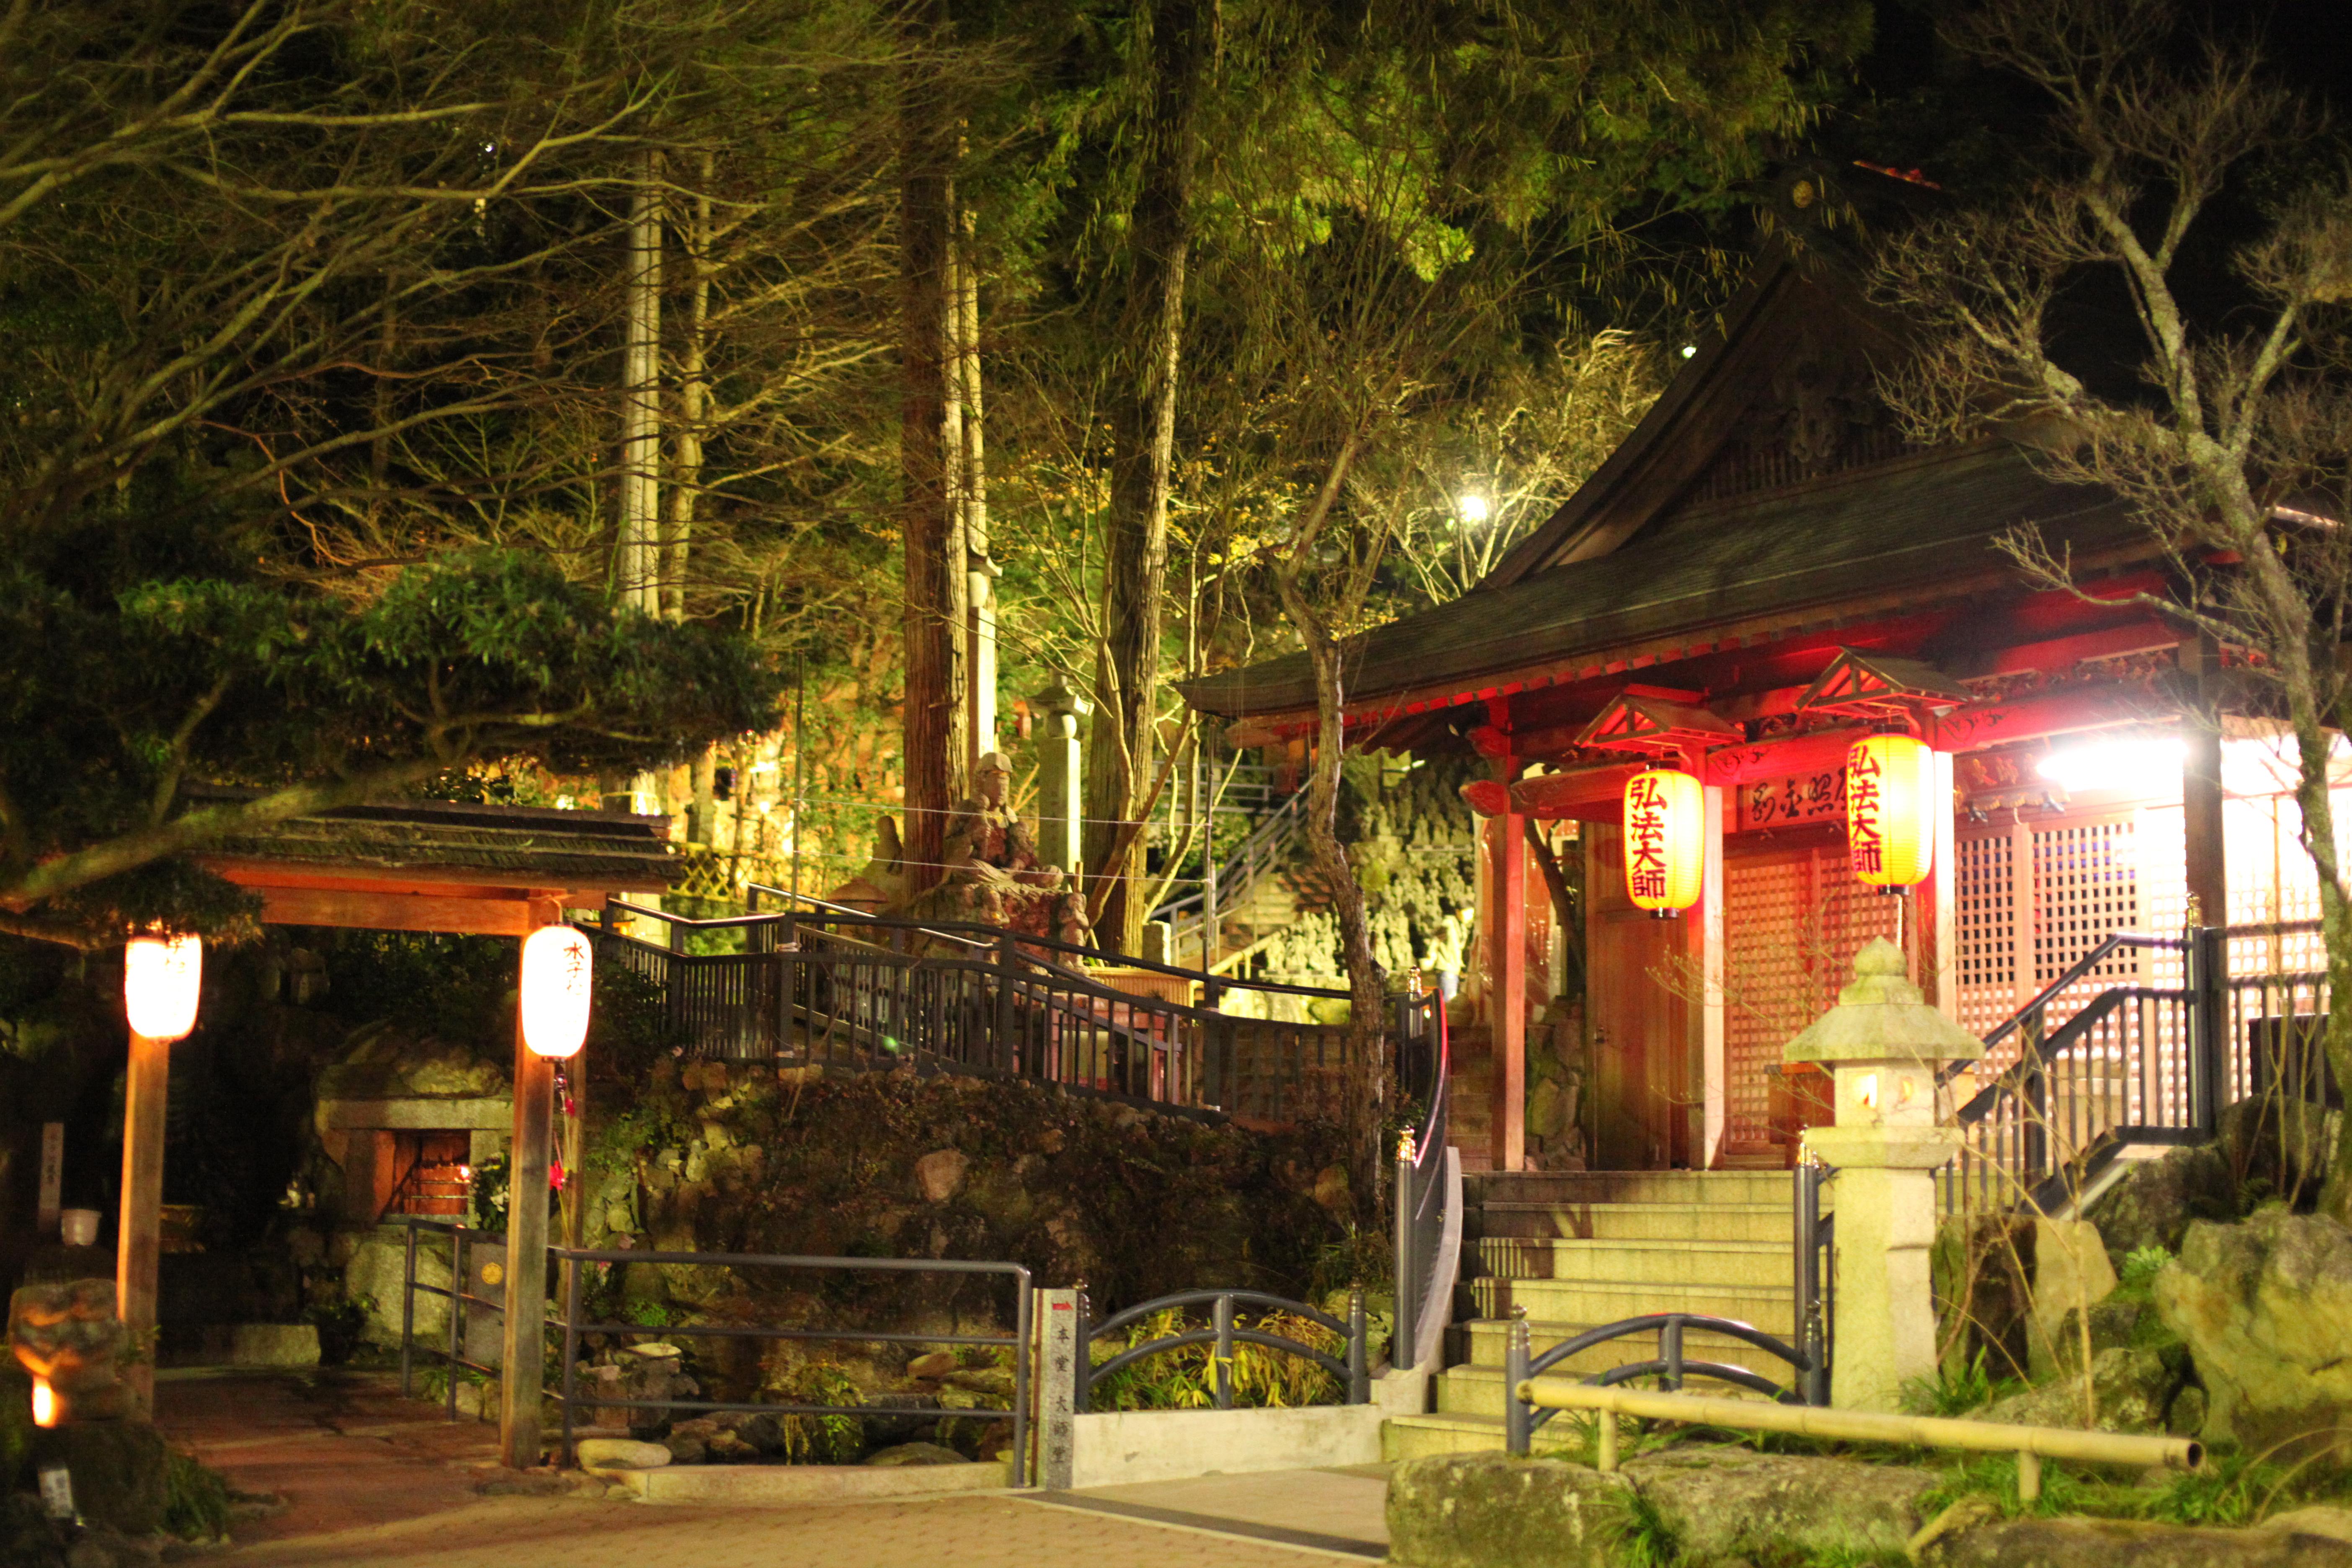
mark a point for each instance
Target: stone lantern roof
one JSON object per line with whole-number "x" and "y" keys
{"x": 1882, "y": 1017}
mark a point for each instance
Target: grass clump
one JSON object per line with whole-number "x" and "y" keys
{"x": 1639, "y": 1534}
{"x": 1956, "y": 1390}
{"x": 196, "y": 1500}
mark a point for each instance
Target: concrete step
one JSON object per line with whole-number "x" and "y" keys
{"x": 1572, "y": 1187}
{"x": 1767, "y": 1307}
{"x": 1478, "y": 1390}
{"x": 1630, "y": 1221}
{"x": 1426, "y": 1436}
{"x": 1689, "y": 1263}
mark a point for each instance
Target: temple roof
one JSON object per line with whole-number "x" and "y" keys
{"x": 1905, "y": 531}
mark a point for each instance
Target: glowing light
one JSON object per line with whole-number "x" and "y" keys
{"x": 1475, "y": 508}
{"x": 1665, "y": 831}
{"x": 1866, "y": 1090}
{"x": 556, "y": 969}
{"x": 1690, "y": 350}
{"x": 1890, "y": 806}
{"x": 161, "y": 977}
{"x": 2118, "y": 763}
{"x": 45, "y": 1403}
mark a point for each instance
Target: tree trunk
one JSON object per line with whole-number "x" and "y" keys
{"x": 1367, "y": 984}
{"x": 1120, "y": 748}
{"x": 640, "y": 570}
{"x": 980, "y": 623}
{"x": 693, "y": 403}
{"x": 933, "y": 721}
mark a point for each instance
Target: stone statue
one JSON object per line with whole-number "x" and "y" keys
{"x": 992, "y": 873}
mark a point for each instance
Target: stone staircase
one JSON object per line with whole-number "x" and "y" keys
{"x": 1576, "y": 1250}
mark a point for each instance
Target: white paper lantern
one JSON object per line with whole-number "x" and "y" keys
{"x": 556, "y": 969}
{"x": 161, "y": 979}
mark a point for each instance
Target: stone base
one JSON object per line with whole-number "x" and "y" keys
{"x": 120, "y": 1471}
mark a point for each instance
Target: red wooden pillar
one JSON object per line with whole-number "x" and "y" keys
{"x": 1507, "y": 927}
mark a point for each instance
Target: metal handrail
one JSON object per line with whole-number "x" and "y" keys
{"x": 1428, "y": 1191}
{"x": 2113, "y": 942}
{"x": 1354, "y": 1375}
{"x": 1521, "y": 1418}
{"x": 572, "y": 1400}
{"x": 457, "y": 1296}
{"x": 1281, "y": 826}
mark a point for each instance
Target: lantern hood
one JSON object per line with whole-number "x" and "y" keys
{"x": 1881, "y": 1016}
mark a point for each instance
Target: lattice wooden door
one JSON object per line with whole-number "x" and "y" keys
{"x": 2033, "y": 898}
{"x": 1792, "y": 921}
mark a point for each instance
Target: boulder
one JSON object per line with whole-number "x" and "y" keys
{"x": 273, "y": 1344}
{"x": 2134, "y": 1388}
{"x": 2071, "y": 1273}
{"x": 2265, "y": 1307}
{"x": 936, "y": 1364}
{"x": 2131, "y": 1543}
{"x": 939, "y": 1173}
{"x": 916, "y": 1454}
{"x": 373, "y": 1281}
{"x": 2152, "y": 1206}
{"x": 120, "y": 1471}
{"x": 599, "y": 1455}
{"x": 1491, "y": 1510}
{"x": 1546, "y": 1110}
{"x": 1727, "y": 1503}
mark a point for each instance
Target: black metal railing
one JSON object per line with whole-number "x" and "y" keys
{"x": 2080, "y": 1077}
{"x": 859, "y": 991}
{"x": 452, "y": 1356}
{"x": 1428, "y": 1187}
{"x": 1670, "y": 1365}
{"x": 1224, "y": 1334}
{"x": 574, "y": 1401}
{"x": 1267, "y": 849}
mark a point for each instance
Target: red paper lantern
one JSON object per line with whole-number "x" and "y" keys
{"x": 1666, "y": 839}
{"x": 1890, "y": 806}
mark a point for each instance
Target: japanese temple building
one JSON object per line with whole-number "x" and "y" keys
{"x": 1764, "y": 572}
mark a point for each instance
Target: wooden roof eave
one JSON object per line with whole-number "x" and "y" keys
{"x": 1265, "y": 729}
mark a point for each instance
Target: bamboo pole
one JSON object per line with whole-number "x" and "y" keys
{"x": 2032, "y": 1443}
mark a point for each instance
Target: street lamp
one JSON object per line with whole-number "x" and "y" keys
{"x": 162, "y": 978}
{"x": 1474, "y": 507}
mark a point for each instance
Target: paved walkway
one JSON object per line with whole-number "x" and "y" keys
{"x": 370, "y": 1481}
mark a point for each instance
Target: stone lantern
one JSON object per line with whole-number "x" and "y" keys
{"x": 1884, "y": 1046}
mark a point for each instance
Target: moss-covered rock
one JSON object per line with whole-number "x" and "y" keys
{"x": 2131, "y": 1543}
{"x": 2265, "y": 1307}
{"x": 1490, "y": 1510}
{"x": 1725, "y": 1503}
{"x": 2133, "y": 1389}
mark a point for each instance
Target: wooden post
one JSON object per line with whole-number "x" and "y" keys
{"x": 2206, "y": 866}
{"x": 1507, "y": 928}
{"x": 1707, "y": 932}
{"x": 138, "y": 1244}
{"x": 524, "y": 1346}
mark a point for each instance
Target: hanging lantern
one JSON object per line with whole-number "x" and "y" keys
{"x": 1890, "y": 810}
{"x": 161, "y": 979}
{"x": 555, "y": 975}
{"x": 1666, "y": 840}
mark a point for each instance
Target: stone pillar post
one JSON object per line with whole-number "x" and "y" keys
{"x": 1882, "y": 1045}
{"x": 1060, "y": 817}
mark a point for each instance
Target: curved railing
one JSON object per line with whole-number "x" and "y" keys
{"x": 1670, "y": 1365}
{"x": 1428, "y": 1187}
{"x": 1224, "y": 1333}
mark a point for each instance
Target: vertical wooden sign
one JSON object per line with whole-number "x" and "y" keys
{"x": 53, "y": 1178}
